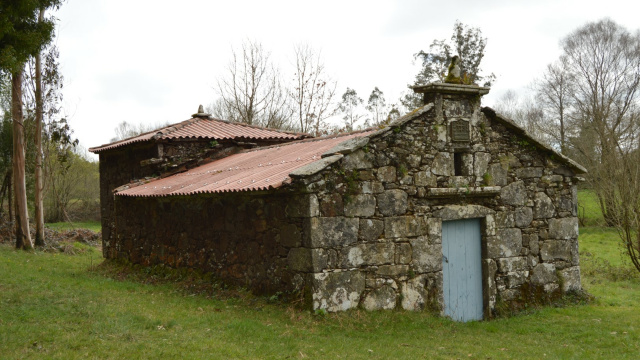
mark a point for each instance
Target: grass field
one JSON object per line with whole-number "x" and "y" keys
{"x": 60, "y": 226}
{"x": 59, "y": 306}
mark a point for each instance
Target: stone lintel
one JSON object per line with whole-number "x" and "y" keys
{"x": 444, "y": 88}
{"x": 472, "y": 191}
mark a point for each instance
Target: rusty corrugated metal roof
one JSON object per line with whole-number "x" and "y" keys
{"x": 205, "y": 128}
{"x": 259, "y": 169}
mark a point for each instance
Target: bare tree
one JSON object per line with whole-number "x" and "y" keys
{"x": 312, "y": 91}
{"x": 251, "y": 92}
{"x": 603, "y": 60}
{"x": 126, "y": 130}
{"x": 554, "y": 92}
{"x": 527, "y": 113}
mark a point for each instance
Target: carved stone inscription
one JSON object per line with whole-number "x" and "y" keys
{"x": 460, "y": 130}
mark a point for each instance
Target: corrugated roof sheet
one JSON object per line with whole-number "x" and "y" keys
{"x": 259, "y": 169}
{"x": 205, "y": 128}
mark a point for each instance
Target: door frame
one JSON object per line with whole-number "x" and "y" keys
{"x": 487, "y": 229}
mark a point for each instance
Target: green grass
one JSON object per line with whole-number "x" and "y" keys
{"x": 589, "y": 210}
{"x": 58, "y": 306}
{"x": 61, "y": 226}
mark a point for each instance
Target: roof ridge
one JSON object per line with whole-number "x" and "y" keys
{"x": 259, "y": 127}
{"x": 178, "y": 126}
{"x": 313, "y": 139}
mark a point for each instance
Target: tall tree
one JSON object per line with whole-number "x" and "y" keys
{"x": 554, "y": 95}
{"x": 466, "y": 42}
{"x": 377, "y": 106}
{"x": 39, "y": 186}
{"x": 22, "y": 36}
{"x": 350, "y": 108}
{"x": 603, "y": 62}
{"x": 312, "y": 91}
{"x": 251, "y": 91}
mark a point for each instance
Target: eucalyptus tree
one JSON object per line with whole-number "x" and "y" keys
{"x": 350, "y": 107}
{"x": 22, "y": 36}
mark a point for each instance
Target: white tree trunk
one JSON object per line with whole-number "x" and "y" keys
{"x": 39, "y": 180}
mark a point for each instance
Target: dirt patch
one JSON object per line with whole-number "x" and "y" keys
{"x": 55, "y": 241}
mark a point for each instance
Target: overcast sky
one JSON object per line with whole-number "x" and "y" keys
{"x": 156, "y": 61}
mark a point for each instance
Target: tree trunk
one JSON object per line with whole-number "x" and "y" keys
{"x": 10, "y": 197}
{"x": 23, "y": 238}
{"x": 39, "y": 181}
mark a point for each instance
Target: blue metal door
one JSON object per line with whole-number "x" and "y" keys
{"x": 462, "y": 269}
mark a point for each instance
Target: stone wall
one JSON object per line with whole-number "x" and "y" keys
{"x": 375, "y": 225}
{"x": 118, "y": 167}
{"x": 242, "y": 239}
{"x": 134, "y": 162}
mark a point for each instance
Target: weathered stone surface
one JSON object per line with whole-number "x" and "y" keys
{"x": 570, "y": 279}
{"x": 466, "y": 164}
{"x": 489, "y": 269}
{"x": 316, "y": 166}
{"x": 565, "y": 228}
{"x": 392, "y": 202}
{"x": 304, "y": 206}
{"x": 425, "y": 178}
{"x": 505, "y": 219}
{"x": 514, "y": 194}
{"x": 337, "y": 291}
{"x": 307, "y": 260}
{"x": 370, "y": 229}
{"x": 290, "y": 235}
{"x": 555, "y": 250}
{"x": 403, "y": 226}
{"x": 330, "y": 232}
{"x": 543, "y": 274}
{"x": 404, "y": 253}
{"x": 512, "y": 264}
{"x": 383, "y": 298}
{"x": 347, "y": 147}
{"x": 331, "y": 205}
{"x": 529, "y": 172}
{"x": 523, "y": 216}
{"x": 414, "y": 294}
{"x": 498, "y": 174}
{"x": 434, "y": 229}
{"x": 532, "y": 242}
{"x": 413, "y": 160}
{"x": 457, "y": 212}
{"x": 387, "y": 173}
{"x": 422, "y": 291}
{"x": 516, "y": 278}
{"x": 368, "y": 254}
{"x": 392, "y": 270}
{"x": 543, "y": 208}
{"x": 481, "y": 163}
{"x": 508, "y": 243}
{"x": 357, "y": 160}
{"x": 442, "y": 164}
{"x": 427, "y": 256}
{"x": 360, "y": 205}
